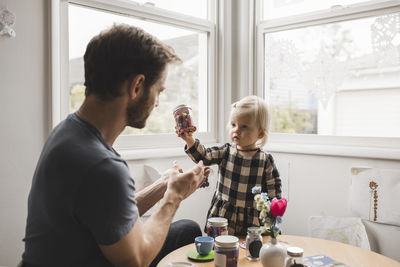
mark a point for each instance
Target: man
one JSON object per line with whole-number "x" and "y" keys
{"x": 82, "y": 208}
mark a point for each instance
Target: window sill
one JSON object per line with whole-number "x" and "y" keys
{"x": 358, "y": 147}
{"x": 342, "y": 151}
{"x": 155, "y": 153}
{"x": 152, "y": 153}
{"x": 327, "y": 149}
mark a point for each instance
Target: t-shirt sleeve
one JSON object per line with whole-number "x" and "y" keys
{"x": 105, "y": 203}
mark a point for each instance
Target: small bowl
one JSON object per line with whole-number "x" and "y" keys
{"x": 180, "y": 264}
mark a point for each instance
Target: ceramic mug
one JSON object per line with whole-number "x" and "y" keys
{"x": 204, "y": 244}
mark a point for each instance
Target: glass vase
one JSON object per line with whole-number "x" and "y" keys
{"x": 272, "y": 254}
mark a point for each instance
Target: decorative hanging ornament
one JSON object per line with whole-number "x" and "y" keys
{"x": 385, "y": 39}
{"x": 7, "y": 20}
{"x": 283, "y": 62}
{"x": 324, "y": 76}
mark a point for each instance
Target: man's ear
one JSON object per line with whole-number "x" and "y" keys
{"x": 136, "y": 86}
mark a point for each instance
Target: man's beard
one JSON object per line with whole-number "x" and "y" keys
{"x": 138, "y": 112}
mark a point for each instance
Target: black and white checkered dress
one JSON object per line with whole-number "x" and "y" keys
{"x": 237, "y": 175}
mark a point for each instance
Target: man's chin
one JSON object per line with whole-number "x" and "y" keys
{"x": 138, "y": 125}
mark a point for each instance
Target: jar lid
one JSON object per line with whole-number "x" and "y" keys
{"x": 254, "y": 230}
{"x": 226, "y": 241}
{"x": 218, "y": 221}
{"x": 295, "y": 251}
{"x": 181, "y": 106}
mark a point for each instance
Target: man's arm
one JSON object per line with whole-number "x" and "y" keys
{"x": 141, "y": 245}
{"x": 148, "y": 196}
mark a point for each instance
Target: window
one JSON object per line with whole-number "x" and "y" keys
{"x": 331, "y": 76}
{"x": 184, "y": 25}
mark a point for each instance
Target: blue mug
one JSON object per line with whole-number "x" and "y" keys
{"x": 204, "y": 244}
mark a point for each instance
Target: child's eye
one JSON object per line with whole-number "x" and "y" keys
{"x": 233, "y": 125}
{"x": 244, "y": 126}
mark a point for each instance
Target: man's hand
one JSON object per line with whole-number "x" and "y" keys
{"x": 181, "y": 185}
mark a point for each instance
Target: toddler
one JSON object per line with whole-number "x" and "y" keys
{"x": 242, "y": 165}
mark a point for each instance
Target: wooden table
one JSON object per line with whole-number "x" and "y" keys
{"x": 350, "y": 255}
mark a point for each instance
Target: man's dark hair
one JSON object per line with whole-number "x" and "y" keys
{"x": 120, "y": 53}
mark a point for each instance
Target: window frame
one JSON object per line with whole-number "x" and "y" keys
{"x": 60, "y": 64}
{"x": 363, "y": 147}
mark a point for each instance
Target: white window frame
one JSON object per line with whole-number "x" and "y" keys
{"x": 363, "y": 147}
{"x": 144, "y": 145}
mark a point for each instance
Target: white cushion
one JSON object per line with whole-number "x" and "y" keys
{"x": 362, "y": 198}
{"x": 348, "y": 230}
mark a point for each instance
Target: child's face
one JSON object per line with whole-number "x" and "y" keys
{"x": 243, "y": 130}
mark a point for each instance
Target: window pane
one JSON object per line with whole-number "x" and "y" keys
{"x": 273, "y": 9}
{"x": 336, "y": 79}
{"x": 195, "y": 8}
{"x": 186, "y": 83}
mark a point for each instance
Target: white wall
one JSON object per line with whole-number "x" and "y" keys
{"x": 23, "y": 118}
{"x": 317, "y": 184}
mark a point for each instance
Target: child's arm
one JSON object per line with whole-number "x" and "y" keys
{"x": 272, "y": 179}
{"x": 209, "y": 156}
{"x": 198, "y": 152}
{"x": 188, "y": 138}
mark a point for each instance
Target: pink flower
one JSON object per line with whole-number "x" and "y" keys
{"x": 278, "y": 207}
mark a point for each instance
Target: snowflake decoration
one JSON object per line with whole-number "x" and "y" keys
{"x": 7, "y": 19}
{"x": 385, "y": 39}
{"x": 324, "y": 76}
{"x": 283, "y": 60}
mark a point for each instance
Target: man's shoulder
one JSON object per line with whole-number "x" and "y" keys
{"x": 74, "y": 142}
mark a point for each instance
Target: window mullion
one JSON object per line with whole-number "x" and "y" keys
{"x": 55, "y": 99}
{"x": 59, "y": 62}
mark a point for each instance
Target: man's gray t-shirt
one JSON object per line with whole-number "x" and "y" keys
{"x": 82, "y": 195}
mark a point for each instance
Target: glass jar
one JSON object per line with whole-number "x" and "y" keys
{"x": 217, "y": 226}
{"x": 253, "y": 243}
{"x": 226, "y": 251}
{"x": 183, "y": 119}
{"x": 294, "y": 257}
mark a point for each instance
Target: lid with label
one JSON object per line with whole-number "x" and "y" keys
{"x": 254, "y": 230}
{"x": 295, "y": 251}
{"x": 217, "y": 221}
{"x": 226, "y": 241}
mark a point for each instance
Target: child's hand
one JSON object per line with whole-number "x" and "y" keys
{"x": 186, "y": 136}
{"x": 207, "y": 171}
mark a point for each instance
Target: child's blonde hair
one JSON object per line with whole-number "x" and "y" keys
{"x": 258, "y": 108}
